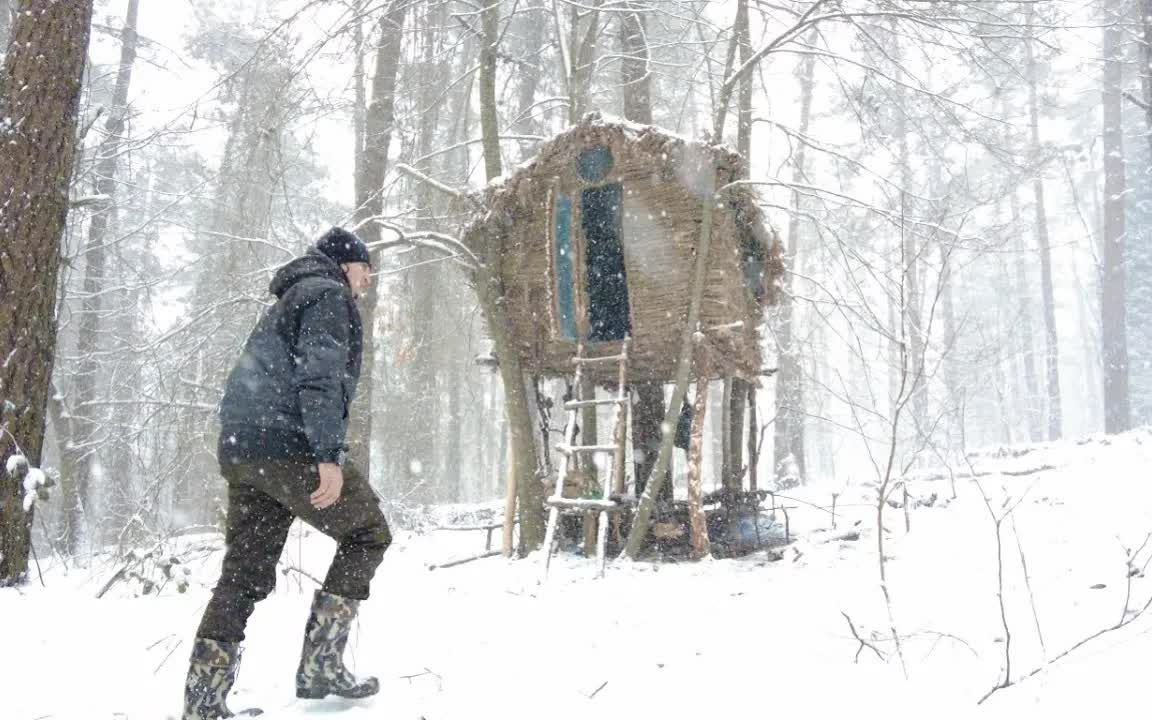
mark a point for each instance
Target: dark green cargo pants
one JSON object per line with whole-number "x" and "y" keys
{"x": 263, "y": 499}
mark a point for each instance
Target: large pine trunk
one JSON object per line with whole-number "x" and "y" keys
{"x": 371, "y": 168}
{"x": 1112, "y": 297}
{"x": 5, "y": 24}
{"x": 39, "y": 97}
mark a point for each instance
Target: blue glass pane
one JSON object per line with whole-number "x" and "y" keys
{"x": 565, "y": 302}
{"x": 595, "y": 163}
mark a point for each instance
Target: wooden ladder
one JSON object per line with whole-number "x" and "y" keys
{"x": 569, "y": 451}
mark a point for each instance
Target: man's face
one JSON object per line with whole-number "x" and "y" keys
{"x": 359, "y": 277}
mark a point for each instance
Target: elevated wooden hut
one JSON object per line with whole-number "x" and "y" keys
{"x": 596, "y": 240}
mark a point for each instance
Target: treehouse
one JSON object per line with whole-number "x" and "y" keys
{"x": 591, "y": 251}
{"x": 596, "y": 241}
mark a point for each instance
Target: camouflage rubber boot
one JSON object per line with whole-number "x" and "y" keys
{"x": 322, "y": 672}
{"x": 211, "y": 672}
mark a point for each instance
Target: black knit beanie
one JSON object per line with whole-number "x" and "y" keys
{"x": 343, "y": 246}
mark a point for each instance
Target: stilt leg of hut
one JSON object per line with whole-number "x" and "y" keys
{"x": 509, "y": 499}
{"x": 726, "y": 469}
{"x": 590, "y": 529}
{"x": 700, "y": 545}
{"x": 753, "y": 439}
{"x": 736, "y": 434}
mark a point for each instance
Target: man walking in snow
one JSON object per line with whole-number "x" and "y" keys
{"x": 283, "y": 420}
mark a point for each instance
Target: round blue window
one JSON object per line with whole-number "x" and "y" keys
{"x": 595, "y": 163}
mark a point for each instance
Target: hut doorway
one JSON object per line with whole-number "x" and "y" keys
{"x": 609, "y": 311}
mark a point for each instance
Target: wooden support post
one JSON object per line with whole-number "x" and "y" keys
{"x": 753, "y": 445}
{"x": 509, "y": 500}
{"x": 735, "y": 410}
{"x": 726, "y": 469}
{"x": 700, "y": 545}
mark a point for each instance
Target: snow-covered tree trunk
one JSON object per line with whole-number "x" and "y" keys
{"x": 489, "y": 122}
{"x": 371, "y": 171}
{"x": 94, "y": 288}
{"x": 1051, "y": 347}
{"x": 39, "y": 98}
{"x": 635, "y": 78}
{"x": 1112, "y": 298}
{"x": 788, "y": 429}
{"x": 1025, "y": 336}
{"x": 738, "y": 389}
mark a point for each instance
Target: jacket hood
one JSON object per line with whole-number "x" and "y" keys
{"x": 311, "y": 264}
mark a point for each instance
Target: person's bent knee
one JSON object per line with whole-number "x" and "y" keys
{"x": 374, "y": 539}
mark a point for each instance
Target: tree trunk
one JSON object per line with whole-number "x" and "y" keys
{"x": 1051, "y": 347}
{"x": 529, "y": 491}
{"x": 580, "y": 85}
{"x": 372, "y": 169}
{"x": 635, "y": 79}
{"x": 95, "y": 286}
{"x": 522, "y": 459}
{"x": 738, "y": 388}
{"x": 788, "y": 430}
{"x": 454, "y": 431}
{"x": 1146, "y": 76}
{"x": 1112, "y": 308}
{"x": 1026, "y": 333}
{"x": 419, "y": 439}
{"x": 529, "y": 76}
{"x": 489, "y": 122}
{"x": 39, "y": 98}
{"x": 5, "y": 24}
{"x": 359, "y": 112}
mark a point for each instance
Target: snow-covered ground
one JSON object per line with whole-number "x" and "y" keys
{"x": 761, "y": 636}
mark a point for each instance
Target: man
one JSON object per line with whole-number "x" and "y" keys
{"x": 283, "y": 420}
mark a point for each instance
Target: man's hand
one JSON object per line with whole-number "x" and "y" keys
{"x": 331, "y": 483}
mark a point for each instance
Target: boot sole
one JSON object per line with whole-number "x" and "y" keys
{"x": 322, "y": 692}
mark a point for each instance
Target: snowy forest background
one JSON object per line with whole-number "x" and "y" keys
{"x": 962, "y": 189}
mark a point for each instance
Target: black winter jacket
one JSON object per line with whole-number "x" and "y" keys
{"x": 289, "y": 394}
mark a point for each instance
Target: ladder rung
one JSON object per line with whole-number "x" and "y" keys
{"x": 573, "y": 404}
{"x": 587, "y": 448}
{"x": 582, "y": 503}
{"x": 602, "y": 358}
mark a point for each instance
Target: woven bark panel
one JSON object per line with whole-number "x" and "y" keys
{"x": 664, "y": 182}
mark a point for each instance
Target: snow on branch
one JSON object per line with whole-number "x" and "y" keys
{"x": 87, "y": 200}
{"x": 435, "y": 184}
{"x": 35, "y": 481}
{"x": 439, "y": 242}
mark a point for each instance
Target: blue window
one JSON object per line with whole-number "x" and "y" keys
{"x": 565, "y": 302}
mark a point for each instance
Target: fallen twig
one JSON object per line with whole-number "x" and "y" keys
{"x": 1127, "y": 618}
{"x": 461, "y": 561}
{"x": 863, "y": 643}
